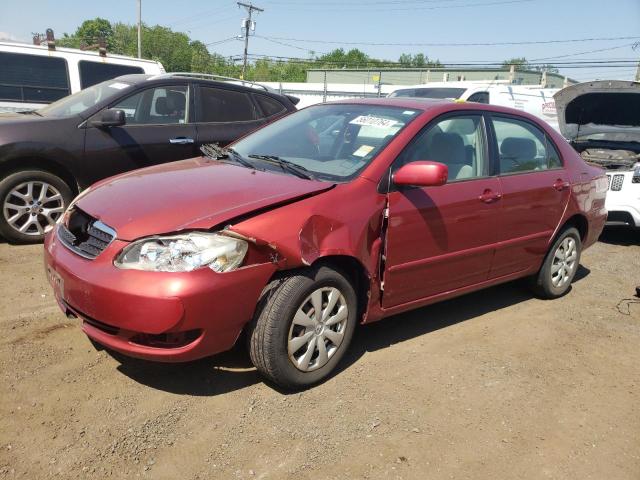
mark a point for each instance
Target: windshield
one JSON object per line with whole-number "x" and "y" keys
{"x": 78, "y": 102}
{"x": 452, "y": 93}
{"x": 331, "y": 142}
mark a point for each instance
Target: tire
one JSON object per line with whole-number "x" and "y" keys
{"x": 20, "y": 193}
{"x": 556, "y": 274}
{"x": 285, "y": 327}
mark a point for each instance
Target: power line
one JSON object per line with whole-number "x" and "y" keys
{"x": 587, "y": 52}
{"x": 466, "y": 44}
{"x": 320, "y": 6}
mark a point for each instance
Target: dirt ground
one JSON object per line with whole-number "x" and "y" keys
{"x": 492, "y": 385}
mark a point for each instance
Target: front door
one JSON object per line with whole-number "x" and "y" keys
{"x": 157, "y": 130}
{"x": 535, "y": 193}
{"x": 441, "y": 239}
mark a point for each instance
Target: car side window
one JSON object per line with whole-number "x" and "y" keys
{"x": 220, "y": 105}
{"x": 458, "y": 142}
{"x": 479, "y": 97}
{"x": 156, "y": 106}
{"x": 523, "y": 147}
{"x": 269, "y": 105}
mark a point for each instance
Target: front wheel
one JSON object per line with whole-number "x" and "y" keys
{"x": 559, "y": 266}
{"x": 303, "y": 326}
{"x": 31, "y": 201}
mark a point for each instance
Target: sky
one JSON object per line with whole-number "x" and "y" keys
{"x": 295, "y": 27}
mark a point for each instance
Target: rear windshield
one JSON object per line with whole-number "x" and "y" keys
{"x": 451, "y": 93}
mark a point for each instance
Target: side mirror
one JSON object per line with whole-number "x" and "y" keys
{"x": 422, "y": 174}
{"x": 109, "y": 118}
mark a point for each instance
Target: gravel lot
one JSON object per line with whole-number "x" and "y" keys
{"x": 494, "y": 385}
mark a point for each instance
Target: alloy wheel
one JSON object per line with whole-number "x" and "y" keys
{"x": 564, "y": 262}
{"x": 317, "y": 329}
{"x": 32, "y": 208}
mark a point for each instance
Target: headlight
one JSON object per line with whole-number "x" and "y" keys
{"x": 183, "y": 253}
{"x": 636, "y": 173}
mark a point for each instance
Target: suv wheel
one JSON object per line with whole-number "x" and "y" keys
{"x": 303, "y": 326}
{"x": 31, "y": 202}
{"x": 560, "y": 265}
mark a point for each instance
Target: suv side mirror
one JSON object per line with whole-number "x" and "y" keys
{"x": 422, "y": 174}
{"x": 109, "y": 118}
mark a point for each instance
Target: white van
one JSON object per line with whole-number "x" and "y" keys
{"x": 532, "y": 99}
{"x": 32, "y": 76}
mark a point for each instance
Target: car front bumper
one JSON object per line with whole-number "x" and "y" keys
{"x": 167, "y": 317}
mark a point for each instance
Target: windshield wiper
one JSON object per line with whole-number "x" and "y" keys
{"x": 286, "y": 165}
{"x": 217, "y": 152}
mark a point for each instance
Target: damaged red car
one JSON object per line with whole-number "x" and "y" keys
{"x": 339, "y": 214}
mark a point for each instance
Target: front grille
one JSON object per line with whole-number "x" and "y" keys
{"x": 85, "y": 235}
{"x": 616, "y": 182}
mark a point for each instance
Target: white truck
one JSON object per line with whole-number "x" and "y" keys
{"x": 532, "y": 99}
{"x": 602, "y": 121}
{"x": 32, "y": 76}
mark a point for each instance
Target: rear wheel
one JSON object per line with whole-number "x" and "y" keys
{"x": 303, "y": 326}
{"x": 31, "y": 201}
{"x": 560, "y": 265}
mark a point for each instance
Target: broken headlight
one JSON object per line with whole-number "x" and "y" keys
{"x": 184, "y": 253}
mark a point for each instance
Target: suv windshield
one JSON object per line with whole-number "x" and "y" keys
{"x": 78, "y": 102}
{"x": 331, "y": 142}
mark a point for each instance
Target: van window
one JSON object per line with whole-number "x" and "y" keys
{"x": 432, "y": 92}
{"x": 32, "y": 78}
{"x": 479, "y": 97}
{"x": 92, "y": 73}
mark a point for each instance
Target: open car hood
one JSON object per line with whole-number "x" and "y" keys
{"x": 607, "y": 110}
{"x": 190, "y": 194}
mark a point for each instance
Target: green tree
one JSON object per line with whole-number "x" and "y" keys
{"x": 520, "y": 63}
{"x": 89, "y": 34}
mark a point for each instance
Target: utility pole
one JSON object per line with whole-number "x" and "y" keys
{"x": 139, "y": 28}
{"x": 247, "y": 25}
{"x": 638, "y": 73}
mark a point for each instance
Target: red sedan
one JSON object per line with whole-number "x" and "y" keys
{"x": 338, "y": 214}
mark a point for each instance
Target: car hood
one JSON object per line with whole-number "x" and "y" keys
{"x": 604, "y": 110}
{"x": 191, "y": 194}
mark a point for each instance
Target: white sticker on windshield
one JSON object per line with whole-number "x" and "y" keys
{"x": 118, "y": 85}
{"x": 371, "y": 121}
{"x": 363, "y": 151}
{"x": 408, "y": 112}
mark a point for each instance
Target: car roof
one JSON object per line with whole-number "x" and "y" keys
{"x": 441, "y": 105}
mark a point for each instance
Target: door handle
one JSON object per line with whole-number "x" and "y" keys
{"x": 488, "y": 196}
{"x": 180, "y": 141}
{"x": 561, "y": 185}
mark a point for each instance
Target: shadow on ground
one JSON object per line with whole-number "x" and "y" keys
{"x": 624, "y": 236}
{"x": 232, "y": 370}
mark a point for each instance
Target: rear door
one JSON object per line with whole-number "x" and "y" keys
{"x": 224, "y": 115}
{"x": 157, "y": 130}
{"x": 441, "y": 239}
{"x": 535, "y": 192}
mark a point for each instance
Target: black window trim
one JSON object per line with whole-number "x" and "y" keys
{"x": 198, "y": 113}
{"x": 264, "y": 114}
{"x": 496, "y": 154}
{"x": 386, "y": 185}
{"x": 22, "y": 87}
{"x": 114, "y": 102}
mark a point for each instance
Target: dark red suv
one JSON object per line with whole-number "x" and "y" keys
{"x": 339, "y": 214}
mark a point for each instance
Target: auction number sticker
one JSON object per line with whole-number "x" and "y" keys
{"x": 371, "y": 121}
{"x": 118, "y": 85}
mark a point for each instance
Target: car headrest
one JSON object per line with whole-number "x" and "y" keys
{"x": 523, "y": 149}
{"x": 161, "y": 106}
{"x": 447, "y": 148}
{"x": 175, "y": 101}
